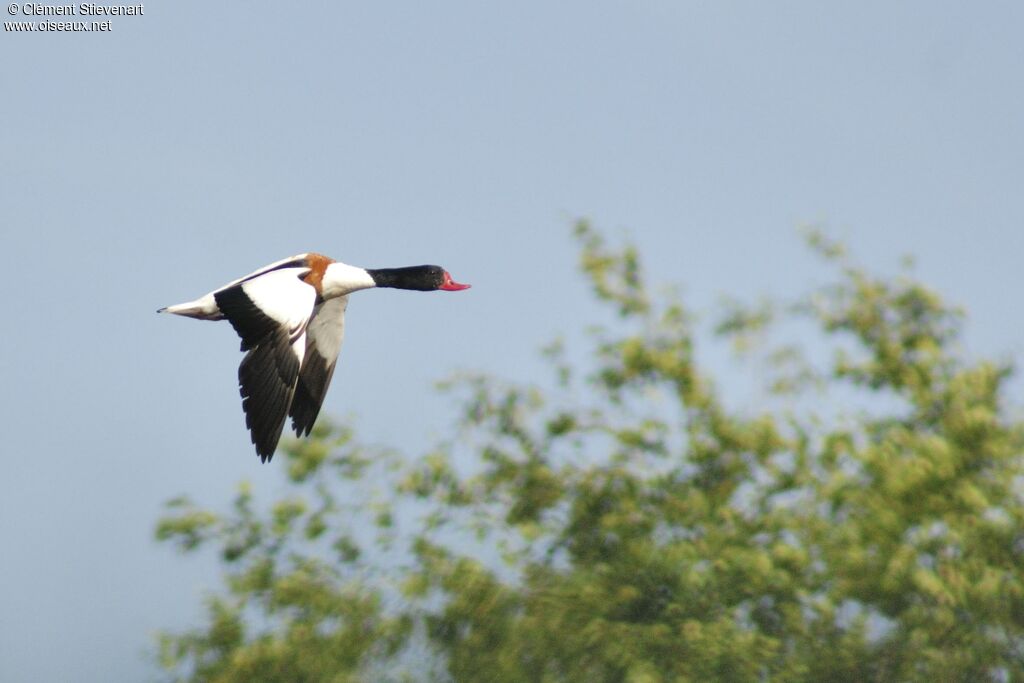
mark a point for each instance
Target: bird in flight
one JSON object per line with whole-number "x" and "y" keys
{"x": 291, "y": 318}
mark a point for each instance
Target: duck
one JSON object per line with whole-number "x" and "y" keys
{"x": 290, "y": 316}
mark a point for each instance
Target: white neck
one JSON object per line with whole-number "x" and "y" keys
{"x": 341, "y": 279}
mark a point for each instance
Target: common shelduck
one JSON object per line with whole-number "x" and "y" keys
{"x": 291, "y": 318}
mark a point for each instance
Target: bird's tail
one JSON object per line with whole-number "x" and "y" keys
{"x": 204, "y": 308}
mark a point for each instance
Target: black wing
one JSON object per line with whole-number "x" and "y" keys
{"x": 269, "y": 371}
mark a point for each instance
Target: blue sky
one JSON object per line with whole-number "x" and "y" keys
{"x": 191, "y": 145}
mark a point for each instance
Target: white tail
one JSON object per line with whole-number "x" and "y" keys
{"x": 204, "y": 308}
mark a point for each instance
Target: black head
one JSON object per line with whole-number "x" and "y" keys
{"x": 420, "y": 278}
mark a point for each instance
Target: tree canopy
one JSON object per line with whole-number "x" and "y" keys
{"x": 856, "y": 516}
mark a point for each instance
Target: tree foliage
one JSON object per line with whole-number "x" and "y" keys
{"x": 855, "y": 515}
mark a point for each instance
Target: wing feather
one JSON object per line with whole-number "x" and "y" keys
{"x": 297, "y": 261}
{"x": 270, "y": 313}
{"x": 324, "y": 334}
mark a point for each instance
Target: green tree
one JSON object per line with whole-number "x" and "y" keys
{"x": 863, "y": 523}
